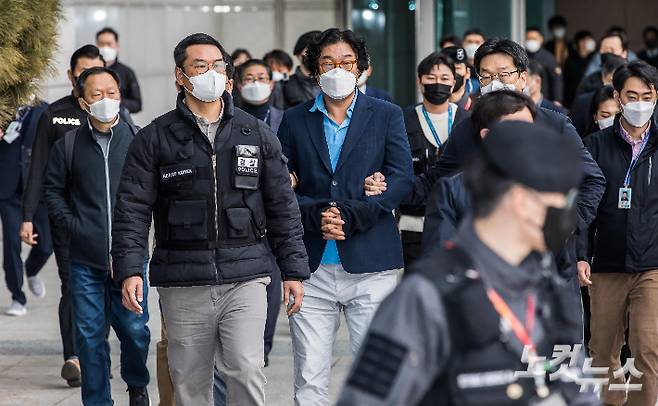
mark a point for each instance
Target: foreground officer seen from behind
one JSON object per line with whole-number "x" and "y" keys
{"x": 454, "y": 332}
{"x": 215, "y": 180}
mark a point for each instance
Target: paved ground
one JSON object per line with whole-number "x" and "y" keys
{"x": 30, "y": 355}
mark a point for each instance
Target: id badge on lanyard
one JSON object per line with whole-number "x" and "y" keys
{"x": 625, "y": 196}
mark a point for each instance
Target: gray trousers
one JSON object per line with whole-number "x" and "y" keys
{"x": 227, "y": 321}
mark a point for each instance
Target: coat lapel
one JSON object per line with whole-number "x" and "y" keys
{"x": 358, "y": 125}
{"x": 314, "y": 123}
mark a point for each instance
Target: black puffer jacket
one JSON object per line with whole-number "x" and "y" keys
{"x": 299, "y": 89}
{"x": 625, "y": 240}
{"x": 209, "y": 224}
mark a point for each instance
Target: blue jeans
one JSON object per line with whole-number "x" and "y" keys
{"x": 97, "y": 303}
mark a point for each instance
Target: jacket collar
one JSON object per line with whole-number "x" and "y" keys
{"x": 184, "y": 110}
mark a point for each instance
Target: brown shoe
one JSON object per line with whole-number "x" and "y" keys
{"x": 71, "y": 372}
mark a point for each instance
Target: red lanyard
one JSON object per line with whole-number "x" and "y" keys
{"x": 523, "y": 333}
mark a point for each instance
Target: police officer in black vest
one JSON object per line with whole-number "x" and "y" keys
{"x": 217, "y": 185}
{"x": 471, "y": 315}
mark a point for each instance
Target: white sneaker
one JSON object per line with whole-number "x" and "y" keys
{"x": 16, "y": 309}
{"x": 36, "y": 286}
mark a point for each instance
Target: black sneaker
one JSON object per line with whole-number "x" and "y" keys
{"x": 139, "y": 396}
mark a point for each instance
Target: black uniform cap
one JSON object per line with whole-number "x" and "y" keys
{"x": 535, "y": 156}
{"x": 458, "y": 54}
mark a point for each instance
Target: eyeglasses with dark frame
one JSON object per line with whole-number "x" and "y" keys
{"x": 504, "y": 77}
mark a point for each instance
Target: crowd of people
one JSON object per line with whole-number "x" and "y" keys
{"x": 517, "y": 198}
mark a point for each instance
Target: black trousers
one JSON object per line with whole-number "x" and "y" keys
{"x": 10, "y": 215}
{"x": 273, "y": 308}
{"x": 412, "y": 248}
{"x": 66, "y": 328}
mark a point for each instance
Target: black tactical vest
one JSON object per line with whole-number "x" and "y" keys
{"x": 209, "y": 213}
{"x": 481, "y": 367}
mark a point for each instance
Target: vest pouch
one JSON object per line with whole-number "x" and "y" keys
{"x": 246, "y": 167}
{"x": 239, "y": 221}
{"x": 188, "y": 220}
{"x": 486, "y": 377}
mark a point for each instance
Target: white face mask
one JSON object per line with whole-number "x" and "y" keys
{"x": 637, "y": 113}
{"x": 496, "y": 85}
{"x": 279, "y": 76}
{"x": 255, "y": 92}
{"x": 208, "y": 87}
{"x": 590, "y": 45}
{"x": 605, "y": 122}
{"x": 337, "y": 83}
{"x": 362, "y": 79}
{"x": 109, "y": 54}
{"x": 470, "y": 50}
{"x": 559, "y": 32}
{"x": 532, "y": 45}
{"x": 105, "y": 110}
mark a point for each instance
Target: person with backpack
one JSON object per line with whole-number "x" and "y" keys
{"x": 81, "y": 182}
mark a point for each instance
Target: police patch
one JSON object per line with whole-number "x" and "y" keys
{"x": 176, "y": 173}
{"x": 247, "y": 160}
{"x": 379, "y": 365}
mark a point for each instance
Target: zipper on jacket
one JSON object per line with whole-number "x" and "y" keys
{"x": 650, "y": 168}
{"x": 214, "y": 178}
{"x": 108, "y": 196}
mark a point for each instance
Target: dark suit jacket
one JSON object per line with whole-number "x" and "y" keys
{"x": 580, "y": 116}
{"x": 15, "y": 157}
{"x": 378, "y": 93}
{"x": 549, "y": 105}
{"x": 464, "y": 141}
{"x": 376, "y": 141}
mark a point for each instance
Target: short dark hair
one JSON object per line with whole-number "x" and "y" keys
{"x": 611, "y": 62}
{"x": 434, "y": 59}
{"x": 536, "y": 68}
{"x": 502, "y": 46}
{"x": 557, "y": 20}
{"x": 108, "y": 30}
{"x": 534, "y": 28}
{"x": 485, "y": 183}
{"x": 648, "y": 29}
{"x": 279, "y": 56}
{"x": 304, "y": 41}
{"x": 97, "y": 70}
{"x": 333, "y": 36}
{"x": 636, "y": 69}
{"x": 603, "y": 94}
{"x": 85, "y": 51}
{"x": 253, "y": 62}
{"x": 180, "y": 52}
{"x": 235, "y": 54}
{"x": 450, "y": 38}
{"x": 621, "y": 34}
{"x": 474, "y": 31}
{"x": 490, "y": 107}
{"x": 581, "y": 35}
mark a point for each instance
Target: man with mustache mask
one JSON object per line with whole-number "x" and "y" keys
{"x": 333, "y": 143}
{"x": 429, "y": 125}
{"x": 215, "y": 181}
{"x": 623, "y": 277}
{"x": 84, "y": 169}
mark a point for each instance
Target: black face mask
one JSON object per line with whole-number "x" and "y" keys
{"x": 459, "y": 82}
{"x": 437, "y": 93}
{"x": 560, "y": 223}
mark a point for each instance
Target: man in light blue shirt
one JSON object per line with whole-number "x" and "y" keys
{"x": 333, "y": 144}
